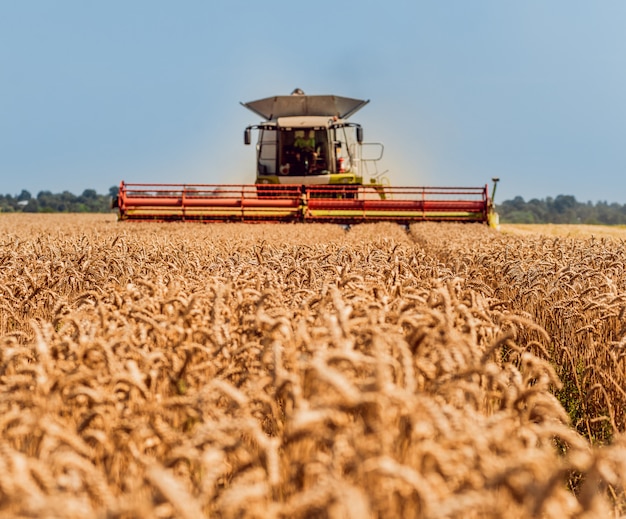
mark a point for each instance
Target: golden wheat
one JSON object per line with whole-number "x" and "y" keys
{"x": 152, "y": 370}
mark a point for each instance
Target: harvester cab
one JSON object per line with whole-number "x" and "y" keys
{"x": 307, "y": 140}
{"x": 311, "y": 166}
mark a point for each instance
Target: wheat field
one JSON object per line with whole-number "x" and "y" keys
{"x": 277, "y": 371}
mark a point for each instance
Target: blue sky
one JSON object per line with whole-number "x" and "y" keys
{"x": 532, "y": 91}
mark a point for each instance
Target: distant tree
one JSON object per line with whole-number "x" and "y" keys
{"x": 538, "y": 209}
{"x": 8, "y": 204}
{"x": 518, "y": 203}
{"x": 89, "y": 194}
{"x": 66, "y": 202}
{"x": 32, "y": 206}
{"x": 24, "y": 195}
{"x": 521, "y": 217}
{"x": 563, "y": 203}
{"x": 562, "y": 209}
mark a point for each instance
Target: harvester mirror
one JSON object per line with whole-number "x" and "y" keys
{"x": 359, "y": 134}
{"x": 372, "y": 151}
{"x": 247, "y": 139}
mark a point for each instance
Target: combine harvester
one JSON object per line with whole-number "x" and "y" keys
{"x": 311, "y": 166}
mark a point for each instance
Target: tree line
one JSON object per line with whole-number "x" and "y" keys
{"x": 47, "y": 202}
{"x": 561, "y": 209}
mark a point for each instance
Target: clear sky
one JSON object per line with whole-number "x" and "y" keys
{"x": 532, "y": 91}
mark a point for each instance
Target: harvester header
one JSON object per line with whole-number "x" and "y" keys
{"x": 312, "y": 165}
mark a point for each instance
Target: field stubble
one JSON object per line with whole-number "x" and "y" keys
{"x": 306, "y": 371}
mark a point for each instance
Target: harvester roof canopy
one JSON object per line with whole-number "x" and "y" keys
{"x": 271, "y": 108}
